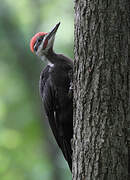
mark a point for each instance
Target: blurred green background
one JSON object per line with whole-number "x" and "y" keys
{"x": 28, "y": 150}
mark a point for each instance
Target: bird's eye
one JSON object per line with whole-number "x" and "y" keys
{"x": 37, "y": 43}
{"x": 40, "y": 39}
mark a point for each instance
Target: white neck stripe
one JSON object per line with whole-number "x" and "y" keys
{"x": 50, "y": 64}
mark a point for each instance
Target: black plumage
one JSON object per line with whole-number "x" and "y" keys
{"x": 56, "y": 90}
{"x": 56, "y": 93}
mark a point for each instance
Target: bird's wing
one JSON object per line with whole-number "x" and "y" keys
{"x": 48, "y": 95}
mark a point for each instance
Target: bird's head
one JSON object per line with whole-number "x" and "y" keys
{"x": 42, "y": 42}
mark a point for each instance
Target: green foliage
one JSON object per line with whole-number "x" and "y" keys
{"x": 27, "y": 151}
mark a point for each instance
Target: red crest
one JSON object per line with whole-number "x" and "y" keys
{"x": 34, "y": 38}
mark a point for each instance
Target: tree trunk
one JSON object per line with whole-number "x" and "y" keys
{"x": 101, "y": 90}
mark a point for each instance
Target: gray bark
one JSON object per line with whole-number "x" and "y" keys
{"x": 101, "y": 90}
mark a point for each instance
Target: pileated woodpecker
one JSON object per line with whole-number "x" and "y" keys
{"x": 56, "y": 90}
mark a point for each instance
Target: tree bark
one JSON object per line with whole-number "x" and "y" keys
{"x": 101, "y": 90}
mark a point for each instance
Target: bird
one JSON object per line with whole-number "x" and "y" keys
{"x": 56, "y": 89}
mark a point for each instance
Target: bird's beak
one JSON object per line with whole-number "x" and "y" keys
{"x": 48, "y": 41}
{"x": 51, "y": 34}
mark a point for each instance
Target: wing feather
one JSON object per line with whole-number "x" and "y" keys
{"x": 48, "y": 94}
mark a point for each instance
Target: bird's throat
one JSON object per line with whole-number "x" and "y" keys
{"x": 50, "y": 56}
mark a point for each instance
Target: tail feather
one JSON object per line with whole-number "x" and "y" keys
{"x": 67, "y": 151}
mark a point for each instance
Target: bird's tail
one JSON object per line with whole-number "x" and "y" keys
{"x": 67, "y": 151}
